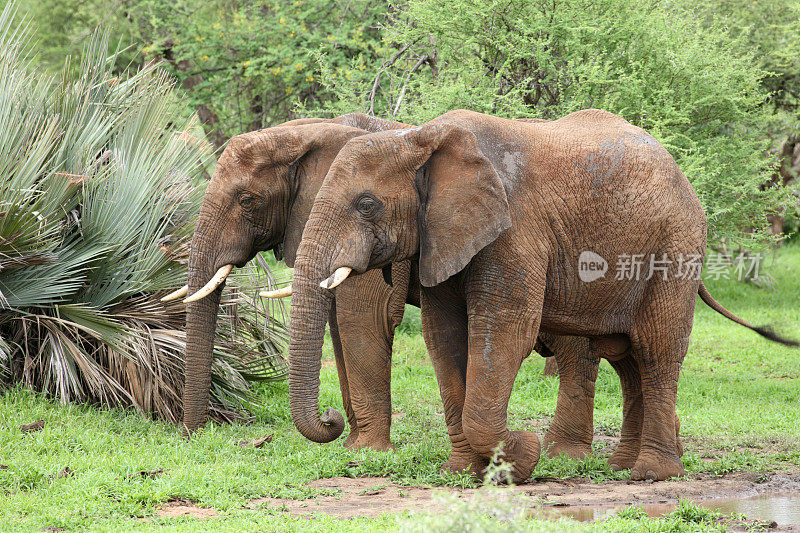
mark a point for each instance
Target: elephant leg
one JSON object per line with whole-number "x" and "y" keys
{"x": 444, "y": 326}
{"x": 343, "y": 383}
{"x": 498, "y": 344}
{"x": 550, "y": 366}
{"x": 660, "y": 346}
{"x": 366, "y": 320}
{"x": 630, "y": 441}
{"x": 572, "y": 429}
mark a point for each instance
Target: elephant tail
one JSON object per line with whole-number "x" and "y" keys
{"x": 764, "y": 331}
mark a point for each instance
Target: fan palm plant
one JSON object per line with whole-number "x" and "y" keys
{"x": 100, "y": 183}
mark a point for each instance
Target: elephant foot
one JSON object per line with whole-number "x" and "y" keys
{"x": 351, "y": 439}
{"x": 379, "y": 444}
{"x": 572, "y": 448}
{"x": 656, "y": 467}
{"x": 624, "y": 457}
{"x": 465, "y": 461}
{"x": 522, "y": 451}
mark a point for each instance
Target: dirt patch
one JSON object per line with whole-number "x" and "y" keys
{"x": 371, "y": 497}
{"x": 32, "y": 427}
{"x": 180, "y": 508}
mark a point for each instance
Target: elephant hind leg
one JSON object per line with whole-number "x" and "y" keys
{"x": 624, "y": 457}
{"x": 659, "y": 346}
{"x": 571, "y": 431}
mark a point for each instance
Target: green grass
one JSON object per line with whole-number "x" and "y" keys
{"x": 738, "y": 404}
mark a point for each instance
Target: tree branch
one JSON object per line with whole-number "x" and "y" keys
{"x": 422, "y": 60}
{"x": 391, "y": 61}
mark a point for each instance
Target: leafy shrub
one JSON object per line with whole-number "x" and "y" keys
{"x": 246, "y": 65}
{"x": 667, "y": 67}
{"x": 99, "y": 190}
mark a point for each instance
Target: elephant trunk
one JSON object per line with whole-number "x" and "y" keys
{"x": 310, "y": 307}
{"x": 201, "y": 323}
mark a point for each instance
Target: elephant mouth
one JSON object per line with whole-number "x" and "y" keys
{"x": 277, "y": 251}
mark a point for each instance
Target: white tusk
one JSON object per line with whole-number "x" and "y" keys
{"x": 336, "y": 278}
{"x": 212, "y": 285}
{"x": 180, "y": 293}
{"x": 277, "y": 293}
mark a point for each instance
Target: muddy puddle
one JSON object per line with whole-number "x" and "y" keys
{"x": 779, "y": 508}
{"x": 774, "y": 499}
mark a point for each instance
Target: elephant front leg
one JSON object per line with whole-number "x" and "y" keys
{"x": 497, "y": 346}
{"x": 366, "y": 356}
{"x": 444, "y": 326}
{"x": 571, "y": 431}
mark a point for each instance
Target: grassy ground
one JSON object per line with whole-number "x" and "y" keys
{"x": 738, "y": 404}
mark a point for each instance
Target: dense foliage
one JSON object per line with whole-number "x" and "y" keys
{"x": 671, "y": 68}
{"x": 246, "y": 64}
{"x": 99, "y": 190}
{"x": 714, "y": 81}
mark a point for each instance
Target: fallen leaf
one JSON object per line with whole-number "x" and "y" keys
{"x": 256, "y": 443}
{"x": 65, "y": 472}
{"x": 4, "y": 467}
{"x": 35, "y": 426}
{"x": 148, "y": 473}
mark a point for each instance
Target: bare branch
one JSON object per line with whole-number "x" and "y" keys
{"x": 391, "y": 61}
{"x": 422, "y": 61}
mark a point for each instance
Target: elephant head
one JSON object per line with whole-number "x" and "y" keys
{"x": 259, "y": 198}
{"x": 426, "y": 192}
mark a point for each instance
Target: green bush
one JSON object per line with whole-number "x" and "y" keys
{"x": 665, "y": 66}
{"x": 246, "y": 64}
{"x": 99, "y": 188}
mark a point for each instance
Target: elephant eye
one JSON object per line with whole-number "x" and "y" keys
{"x": 246, "y": 202}
{"x": 366, "y": 205}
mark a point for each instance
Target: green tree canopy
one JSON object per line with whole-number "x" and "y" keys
{"x": 674, "y": 69}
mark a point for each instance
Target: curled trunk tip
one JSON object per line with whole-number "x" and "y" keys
{"x": 327, "y": 428}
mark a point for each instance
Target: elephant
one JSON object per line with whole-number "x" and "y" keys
{"x": 367, "y": 311}
{"x": 504, "y": 219}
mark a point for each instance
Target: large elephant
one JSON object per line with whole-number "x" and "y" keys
{"x": 366, "y": 309}
{"x": 500, "y": 216}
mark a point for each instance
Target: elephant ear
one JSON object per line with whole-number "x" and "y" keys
{"x": 463, "y": 204}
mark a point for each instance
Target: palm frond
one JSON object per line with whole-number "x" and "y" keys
{"x": 98, "y": 196}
